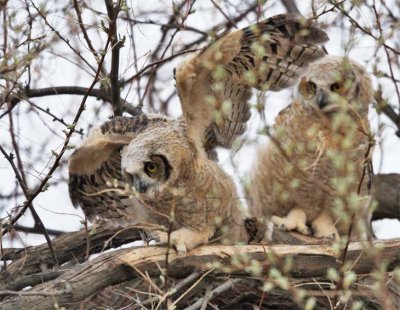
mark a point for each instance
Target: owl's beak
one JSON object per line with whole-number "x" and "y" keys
{"x": 135, "y": 181}
{"x": 322, "y": 99}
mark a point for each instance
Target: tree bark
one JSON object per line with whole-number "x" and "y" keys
{"x": 309, "y": 262}
{"x": 386, "y": 191}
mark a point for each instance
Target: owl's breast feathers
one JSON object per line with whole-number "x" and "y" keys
{"x": 324, "y": 149}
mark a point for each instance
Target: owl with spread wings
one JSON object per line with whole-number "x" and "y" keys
{"x": 180, "y": 194}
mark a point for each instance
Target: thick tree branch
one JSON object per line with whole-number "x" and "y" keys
{"x": 67, "y": 247}
{"x": 35, "y": 230}
{"x": 386, "y": 191}
{"x": 308, "y": 261}
{"x": 116, "y": 44}
{"x": 68, "y": 90}
{"x": 290, "y": 6}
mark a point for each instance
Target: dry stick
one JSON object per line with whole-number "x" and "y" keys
{"x": 135, "y": 56}
{"x": 35, "y": 230}
{"x": 189, "y": 47}
{"x": 84, "y": 32}
{"x": 86, "y": 36}
{"x": 388, "y": 58}
{"x": 381, "y": 105}
{"x": 19, "y": 173}
{"x": 180, "y": 285}
{"x": 55, "y": 293}
{"x": 111, "y": 268}
{"x": 154, "y": 71}
{"x": 384, "y": 294}
{"x": 206, "y": 298}
{"x": 165, "y": 30}
{"x": 27, "y": 203}
{"x": 357, "y": 25}
{"x": 156, "y": 63}
{"x": 191, "y": 287}
{"x": 112, "y": 12}
{"x": 290, "y": 6}
{"x": 30, "y": 280}
{"x": 61, "y": 37}
{"x": 55, "y": 117}
{"x": 68, "y": 90}
{"x": 224, "y": 14}
{"x": 214, "y": 293}
{"x": 226, "y": 26}
{"x": 163, "y": 25}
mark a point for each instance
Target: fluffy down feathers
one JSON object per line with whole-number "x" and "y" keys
{"x": 166, "y": 162}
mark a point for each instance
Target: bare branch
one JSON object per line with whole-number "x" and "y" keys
{"x": 68, "y": 90}
{"x": 55, "y": 165}
{"x": 116, "y": 44}
{"x": 310, "y": 261}
{"x": 291, "y": 7}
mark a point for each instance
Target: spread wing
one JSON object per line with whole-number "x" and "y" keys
{"x": 215, "y": 84}
{"x": 95, "y": 178}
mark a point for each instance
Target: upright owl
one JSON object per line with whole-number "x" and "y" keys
{"x": 316, "y": 170}
{"x": 178, "y": 186}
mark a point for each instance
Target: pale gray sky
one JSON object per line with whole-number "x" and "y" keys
{"x": 54, "y": 205}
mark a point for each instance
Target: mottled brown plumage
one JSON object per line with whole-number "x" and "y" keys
{"x": 214, "y": 85}
{"x": 167, "y": 162}
{"x": 315, "y": 164}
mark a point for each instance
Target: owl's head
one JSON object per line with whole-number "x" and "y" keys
{"x": 157, "y": 158}
{"x": 336, "y": 84}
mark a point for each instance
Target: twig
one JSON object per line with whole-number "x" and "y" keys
{"x": 54, "y": 117}
{"x": 156, "y": 63}
{"x": 230, "y": 20}
{"x": 35, "y": 230}
{"x": 83, "y": 30}
{"x": 174, "y": 290}
{"x": 214, "y": 293}
{"x": 68, "y": 90}
{"x": 358, "y": 26}
{"x": 28, "y": 293}
{"x": 206, "y": 298}
{"x": 291, "y": 7}
{"x": 61, "y": 37}
{"x": 191, "y": 287}
{"x": 154, "y": 71}
{"x": 31, "y": 280}
{"x": 22, "y": 182}
{"x": 39, "y": 189}
{"x": 385, "y": 47}
{"x": 116, "y": 44}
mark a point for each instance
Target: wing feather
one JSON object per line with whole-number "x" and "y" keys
{"x": 215, "y": 84}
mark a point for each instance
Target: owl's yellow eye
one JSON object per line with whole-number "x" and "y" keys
{"x": 312, "y": 86}
{"x": 335, "y": 87}
{"x": 150, "y": 167}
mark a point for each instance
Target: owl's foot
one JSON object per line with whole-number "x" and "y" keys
{"x": 182, "y": 239}
{"x": 324, "y": 227}
{"x": 295, "y": 220}
{"x": 327, "y": 234}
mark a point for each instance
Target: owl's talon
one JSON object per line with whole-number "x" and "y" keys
{"x": 283, "y": 227}
{"x": 160, "y": 237}
{"x": 330, "y": 237}
{"x": 304, "y": 230}
{"x": 180, "y": 247}
{"x": 176, "y": 240}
